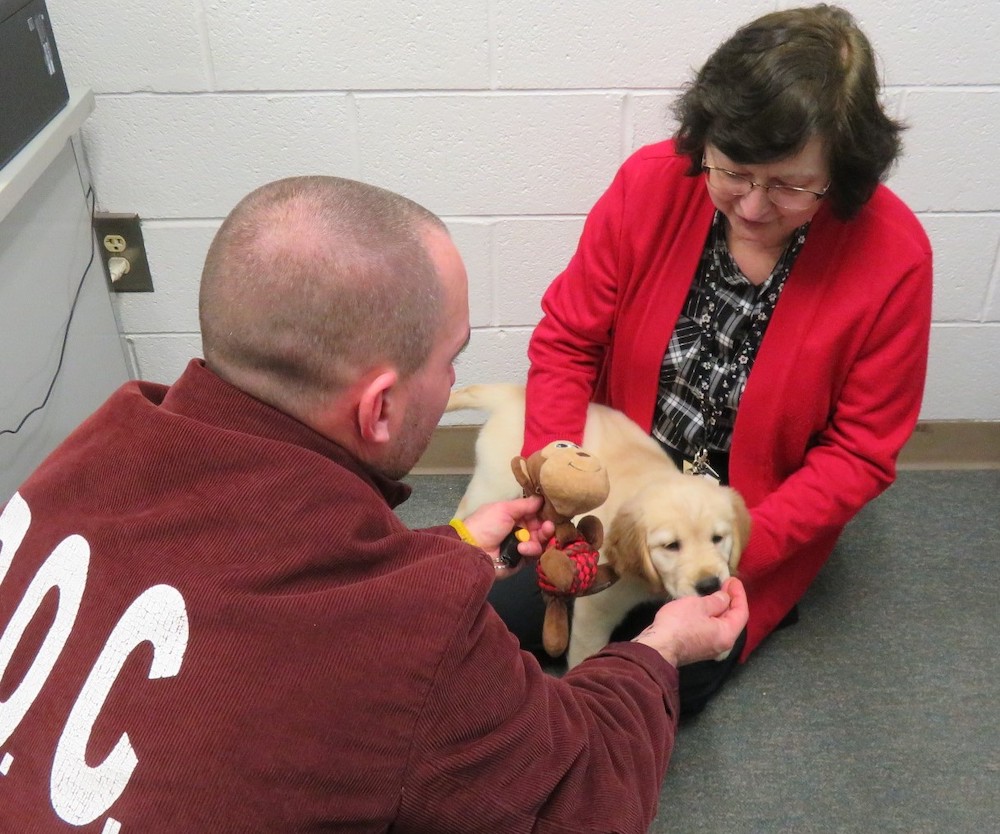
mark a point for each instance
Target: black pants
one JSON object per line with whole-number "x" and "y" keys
{"x": 519, "y": 603}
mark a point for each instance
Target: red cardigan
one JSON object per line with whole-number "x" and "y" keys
{"x": 834, "y": 392}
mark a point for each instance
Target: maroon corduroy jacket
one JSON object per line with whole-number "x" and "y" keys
{"x": 212, "y": 621}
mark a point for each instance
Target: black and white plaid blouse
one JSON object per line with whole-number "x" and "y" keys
{"x": 714, "y": 344}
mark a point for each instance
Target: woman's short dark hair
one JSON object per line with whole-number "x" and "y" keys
{"x": 784, "y": 78}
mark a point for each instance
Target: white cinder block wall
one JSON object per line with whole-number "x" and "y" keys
{"x": 506, "y": 117}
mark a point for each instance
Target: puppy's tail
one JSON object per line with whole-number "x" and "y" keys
{"x": 485, "y": 397}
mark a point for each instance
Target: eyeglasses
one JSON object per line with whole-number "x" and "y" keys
{"x": 790, "y": 197}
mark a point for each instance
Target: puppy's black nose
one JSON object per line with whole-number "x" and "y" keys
{"x": 704, "y": 587}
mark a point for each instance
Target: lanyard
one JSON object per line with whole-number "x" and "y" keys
{"x": 735, "y": 372}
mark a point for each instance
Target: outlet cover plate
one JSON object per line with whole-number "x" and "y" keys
{"x": 120, "y": 235}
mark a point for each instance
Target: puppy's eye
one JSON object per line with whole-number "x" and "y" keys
{"x": 717, "y": 539}
{"x": 673, "y": 547}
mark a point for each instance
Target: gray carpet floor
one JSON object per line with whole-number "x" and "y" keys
{"x": 880, "y": 710}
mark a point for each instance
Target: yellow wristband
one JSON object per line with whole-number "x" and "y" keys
{"x": 463, "y": 532}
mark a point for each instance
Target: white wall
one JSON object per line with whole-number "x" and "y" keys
{"x": 508, "y": 118}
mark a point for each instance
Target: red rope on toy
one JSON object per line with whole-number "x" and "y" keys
{"x": 585, "y": 559}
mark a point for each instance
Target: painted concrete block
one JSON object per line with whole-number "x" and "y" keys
{"x": 629, "y": 44}
{"x": 349, "y": 44}
{"x": 197, "y": 156}
{"x": 963, "y": 382}
{"x": 951, "y": 148}
{"x": 163, "y": 357}
{"x": 964, "y": 248}
{"x": 487, "y": 155}
{"x": 530, "y": 252}
{"x": 143, "y": 46}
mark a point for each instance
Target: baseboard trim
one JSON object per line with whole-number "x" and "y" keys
{"x": 954, "y": 444}
{"x": 452, "y": 451}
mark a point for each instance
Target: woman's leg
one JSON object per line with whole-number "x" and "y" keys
{"x": 519, "y": 603}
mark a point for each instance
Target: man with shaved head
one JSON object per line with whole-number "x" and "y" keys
{"x": 212, "y": 619}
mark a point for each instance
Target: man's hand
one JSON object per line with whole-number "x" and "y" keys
{"x": 698, "y": 628}
{"x": 492, "y": 523}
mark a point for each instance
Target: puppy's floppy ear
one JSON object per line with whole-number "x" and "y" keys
{"x": 741, "y": 527}
{"x": 627, "y": 550}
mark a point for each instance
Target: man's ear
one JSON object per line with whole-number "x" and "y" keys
{"x": 375, "y": 407}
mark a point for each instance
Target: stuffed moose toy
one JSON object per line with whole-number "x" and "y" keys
{"x": 571, "y": 482}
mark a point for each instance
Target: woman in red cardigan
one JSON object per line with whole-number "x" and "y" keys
{"x": 754, "y": 297}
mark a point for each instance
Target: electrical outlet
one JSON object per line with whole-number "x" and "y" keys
{"x": 119, "y": 240}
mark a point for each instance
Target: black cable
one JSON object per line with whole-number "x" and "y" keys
{"x": 69, "y": 321}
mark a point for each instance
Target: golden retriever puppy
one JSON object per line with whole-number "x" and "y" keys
{"x": 666, "y": 534}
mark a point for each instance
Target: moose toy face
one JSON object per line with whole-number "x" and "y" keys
{"x": 569, "y": 479}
